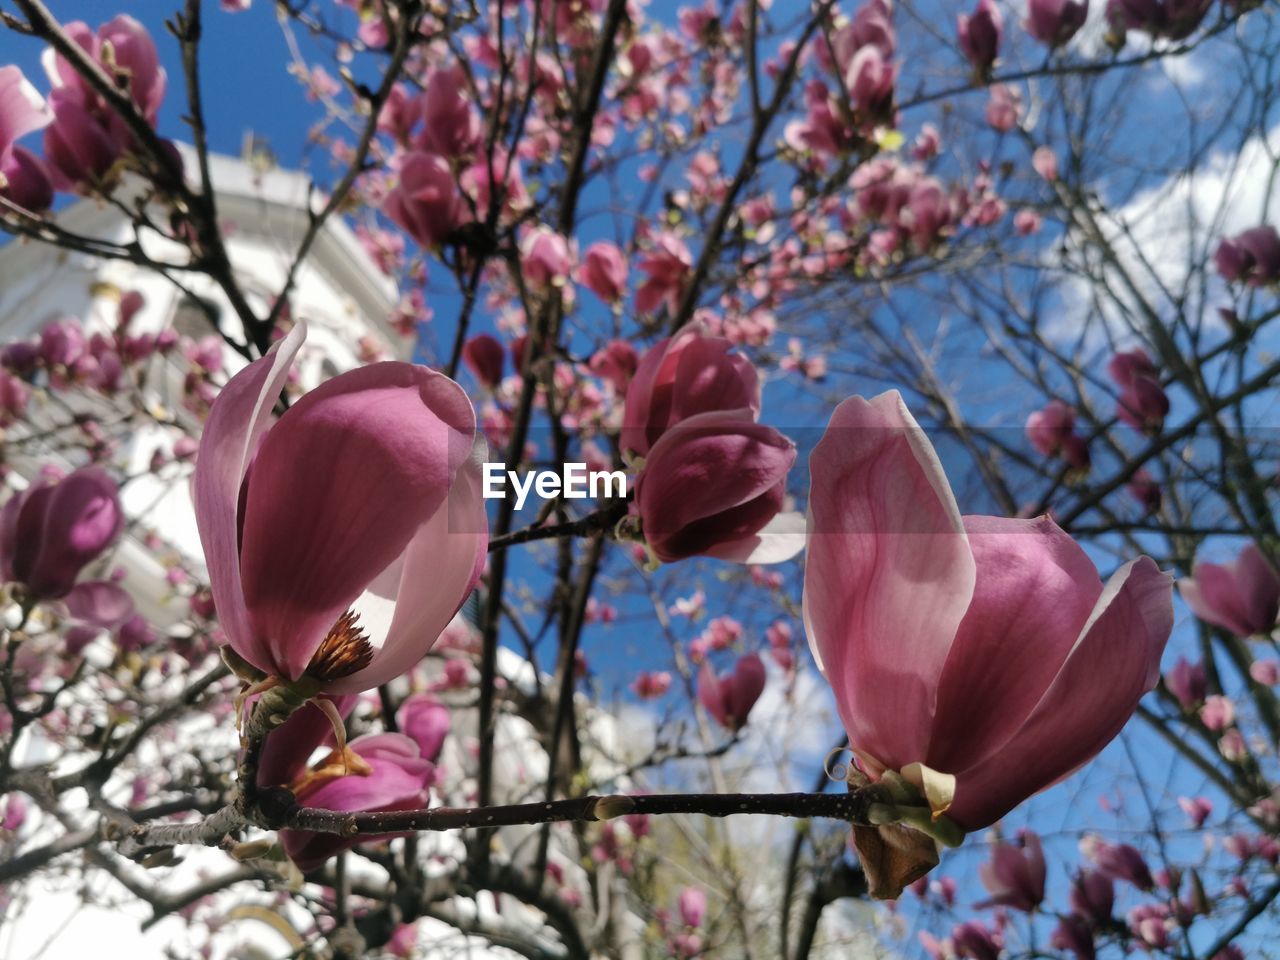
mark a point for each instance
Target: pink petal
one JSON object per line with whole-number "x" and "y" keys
{"x": 238, "y": 418}
{"x": 339, "y": 488}
{"x": 1116, "y": 660}
{"x": 776, "y": 542}
{"x": 431, "y": 580}
{"x": 888, "y": 575}
{"x": 22, "y": 109}
{"x": 1007, "y": 650}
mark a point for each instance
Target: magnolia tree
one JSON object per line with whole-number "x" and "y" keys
{"x": 940, "y": 337}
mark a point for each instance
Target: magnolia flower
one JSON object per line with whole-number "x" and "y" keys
{"x": 1252, "y": 256}
{"x": 484, "y": 356}
{"x": 55, "y": 528}
{"x": 23, "y": 177}
{"x": 426, "y": 721}
{"x": 604, "y": 271}
{"x": 692, "y": 904}
{"x": 376, "y": 772}
{"x": 983, "y": 653}
{"x": 683, "y": 375}
{"x": 1015, "y": 875}
{"x": 1054, "y": 22}
{"x": 616, "y": 362}
{"x": 1242, "y": 596}
{"x": 714, "y": 485}
{"x": 729, "y": 698}
{"x": 426, "y": 202}
{"x": 1187, "y": 682}
{"x": 979, "y": 34}
{"x": 1143, "y": 402}
{"x": 362, "y": 501}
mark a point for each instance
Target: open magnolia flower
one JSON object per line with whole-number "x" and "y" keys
{"x": 342, "y": 538}
{"x": 982, "y": 658}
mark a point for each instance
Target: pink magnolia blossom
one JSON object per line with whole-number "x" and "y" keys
{"x": 1054, "y": 22}
{"x": 450, "y": 127}
{"x": 921, "y": 622}
{"x": 1119, "y": 861}
{"x": 23, "y": 177}
{"x": 980, "y": 33}
{"x": 1145, "y": 489}
{"x": 1265, "y": 672}
{"x": 666, "y": 264}
{"x": 1050, "y": 426}
{"x": 1197, "y": 809}
{"x": 86, "y": 136}
{"x": 1172, "y": 19}
{"x": 55, "y": 528}
{"x": 1143, "y": 403}
{"x": 294, "y": 563}
{"x": 25, "y": 180}
{"x": 729, "y": 698}
{"x": 1015, "y": 875}
{"x": 692, "y": 904}
{"x": 650, "y": 685}
{"x": 426, "y": 202}
{"x": 546, "y": 258}
{"x": 483, "y": 354}
{"x": 684, "y": 375}
{"x": 1186, "y": 681}
{"x": 714, "y": 485}
{"x": 1004, "y": 109}
{"x": 976, "y": 941}
{"x": 426, "y": 721}
{"x": 1252, "y": 257}
{"x": 616, "y": 362}
{"x": 1093, "y": 896}
{"x": 392, "y": 776}
{"x": 1045, "y": 162}
{"x": 604, "y": 271}
{"x": 1242, "y": 596}
{"x": 1074, "y": 933}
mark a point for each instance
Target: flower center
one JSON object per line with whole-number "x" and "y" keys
{"x": 344, "y": 650}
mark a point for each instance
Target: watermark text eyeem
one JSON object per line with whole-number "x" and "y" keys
{"x": 573, "y": 482}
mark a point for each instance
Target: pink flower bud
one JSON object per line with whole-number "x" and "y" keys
{"x": 1120, "y": 861}
{"x": 1186, "y": 681}
{"x": 1143, "y": 402}
{"x": 1093, "y": 896}
{"x": 1242, "y": 596}
{"x": 666, "y": 264}
{"x": 692, "y": 904}
{"x": 1004, "y": 109}
{"x": 1045, "y": 162}
{"x": 1054, "y": 22}
{"x": 450, "y": 127}
{"x": 426, "y": 721}
{"x": 1197, "y": 809}
{"x": 483, "y": 355}
{"x": 980, "y": 34}
{"x": 1265, "y": 672}
{"x": 616, "y": 362}
{"x": 24, "y": 180}
{"x": 711, "y": 485}
{"x": 53, "y": 529}
{"x": 649, "y": 686}
{"x": 1251, "y": 257}
{"x": 1015, "y": 875}
{"x": 1218, "y": 712}
{"x": 604, "y": 271}
{"x": 681, "y": 376}
{"x": 729, "y": 698}
{"x": 426, "y": 203}
{"x": 545, "y": 258}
